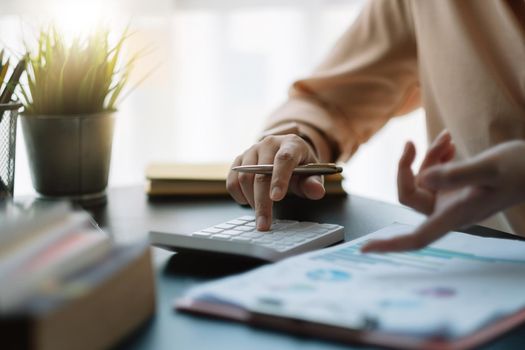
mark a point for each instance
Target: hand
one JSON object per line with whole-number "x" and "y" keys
{"x": 456, "y": 194}
{"x": 260, "y": 191}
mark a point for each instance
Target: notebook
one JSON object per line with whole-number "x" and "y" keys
{"x": 204, "y": 179}
{"x": 459, "y": 292}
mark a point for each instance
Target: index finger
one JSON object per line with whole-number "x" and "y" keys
{"x": 467, "y": 173}
{"x": 432, "y": 229}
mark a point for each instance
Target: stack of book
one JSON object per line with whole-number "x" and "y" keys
{"x": 205, "y": 179}
{"x": 64, "y": 284}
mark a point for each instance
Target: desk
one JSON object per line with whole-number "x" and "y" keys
{"x": 129, "y": 215}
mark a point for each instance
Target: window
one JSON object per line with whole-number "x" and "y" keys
{"x": 222, "y": 66}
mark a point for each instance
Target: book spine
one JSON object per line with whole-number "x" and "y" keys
{"x": 16, "y": 257}
{"x": 66, "y": 256}
{"x": 119, "y": 296}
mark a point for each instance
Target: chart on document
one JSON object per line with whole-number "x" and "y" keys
{"x": 450, "y": 288}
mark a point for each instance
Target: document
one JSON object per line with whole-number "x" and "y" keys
{"x": 449, "y": 289}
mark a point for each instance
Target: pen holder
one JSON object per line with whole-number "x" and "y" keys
{"x": 8, "y": 119}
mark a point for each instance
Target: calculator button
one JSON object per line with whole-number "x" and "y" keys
{"x": 309, "y": 235}
{"x": 304, "y": 225}
{"x": 285, "y": 221}
{"x": 221, "y": 237}
{"x": 241, "y": 239}
{"x": 276, "y": 238}
{"x": 281, "y": 234}
{"x": 281, "y": 248}
{"x": 318, "y": 230}
{"x": 236, "y": 222}
{"x": 330, "y": 226}
{"x": 225, "y": 226}
{"x": 278, "y": 226}
{"x": 286, "y": 232}
{"x": 231, "y": 232}
{"x": 244, "y": 228}
{"x": 201, "y": 234}
{"x": 263, "y": 240}
{"x": 212, "y": 230}
{"x": 252, "y": 234}
{"x": 270, "y": 245}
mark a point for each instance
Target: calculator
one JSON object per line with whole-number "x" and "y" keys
{"x": 240, "y": 237}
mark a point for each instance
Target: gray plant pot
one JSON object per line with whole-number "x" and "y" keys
{"x": 69, "y": 155}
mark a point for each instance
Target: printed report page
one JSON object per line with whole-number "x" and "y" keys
{"x": 448, "y": 289}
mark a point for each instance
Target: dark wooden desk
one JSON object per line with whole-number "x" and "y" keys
{"x": 129, "y": 215}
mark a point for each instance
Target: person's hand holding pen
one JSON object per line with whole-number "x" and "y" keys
{"x": 285, "y": 152}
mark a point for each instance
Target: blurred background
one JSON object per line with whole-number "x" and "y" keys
{"x": 220, "y": 67}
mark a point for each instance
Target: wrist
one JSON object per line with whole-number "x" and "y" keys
{"x": 318, "y": 142}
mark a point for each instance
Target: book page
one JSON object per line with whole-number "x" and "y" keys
{"x": 449, "y": 289}
{"x": 188, "y": 171}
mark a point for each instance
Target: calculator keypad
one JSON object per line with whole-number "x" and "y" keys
{"x": 284, "y": 234}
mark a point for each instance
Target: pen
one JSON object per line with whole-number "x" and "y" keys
{"x": 13, "y": 81}
{"x": 306, "y": 169}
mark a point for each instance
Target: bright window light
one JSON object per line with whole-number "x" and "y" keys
{"x": 77, "y": 18}
{"x": 224, "y": 66}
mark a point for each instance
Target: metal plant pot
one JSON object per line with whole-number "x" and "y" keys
{"x": 69, "y": 155}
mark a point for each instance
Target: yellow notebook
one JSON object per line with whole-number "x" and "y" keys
{"x": 204, "y": 179}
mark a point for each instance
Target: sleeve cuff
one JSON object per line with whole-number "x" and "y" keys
{"x": 332, "y": 137}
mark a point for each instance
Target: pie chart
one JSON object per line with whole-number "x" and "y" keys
{"x": 329, "y": 275}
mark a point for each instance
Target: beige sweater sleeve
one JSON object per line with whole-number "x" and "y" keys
{"x": 370, "y": 76}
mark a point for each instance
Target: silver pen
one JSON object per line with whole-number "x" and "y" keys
{"x": 306, "y": 169}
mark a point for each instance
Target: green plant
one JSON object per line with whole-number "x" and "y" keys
{"x": 84, "y": 76}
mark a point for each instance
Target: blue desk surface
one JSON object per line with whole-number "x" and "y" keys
{"x": 129, "y": 215}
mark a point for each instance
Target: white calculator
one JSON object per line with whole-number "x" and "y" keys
{"x": 240, "y": 237}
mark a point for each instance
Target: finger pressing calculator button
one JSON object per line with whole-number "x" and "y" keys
{"x": 240, "y": 236}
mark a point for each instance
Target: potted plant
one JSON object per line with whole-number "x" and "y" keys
{"x": 70, "y": 101}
